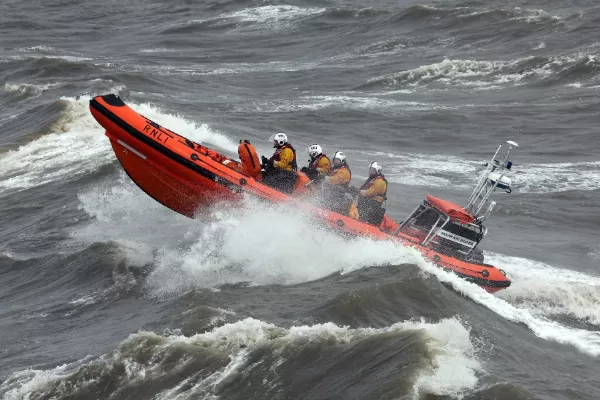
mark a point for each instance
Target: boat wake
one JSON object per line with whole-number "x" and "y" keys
{"x": 551, "y": 291}
{"x": 188, "y": 254}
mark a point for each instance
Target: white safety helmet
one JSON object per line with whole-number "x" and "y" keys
{"x": 340, "y": 156}
{"x": 376, "y": 167}
{"x": 315, "y": 151}
{"x": 278, "y": 139}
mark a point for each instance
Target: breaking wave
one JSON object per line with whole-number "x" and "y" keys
{"x": 422, "y": 358}
{"x": 494, "y": 73}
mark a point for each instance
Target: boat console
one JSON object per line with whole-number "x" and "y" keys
{"x": 454, "y": 230}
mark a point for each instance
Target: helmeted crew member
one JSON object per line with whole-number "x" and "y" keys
{"x": 318, "y": 164}
{"x": 280, "y": 168}
{"x": 340, "y": 173}
{"x": 336, "y": 185}
{"x": 371, "y": 196}
{"x": 285, "y": 155}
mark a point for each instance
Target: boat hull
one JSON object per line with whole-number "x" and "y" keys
{"x": 189, "y": 178}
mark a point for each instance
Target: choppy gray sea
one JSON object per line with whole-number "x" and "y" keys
{"x": 106, "y": 294}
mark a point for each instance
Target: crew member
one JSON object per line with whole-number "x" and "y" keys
{"x": 371, "y": 196}
{"x": 318, "y": 165}
{"x": 280, "y": 169}
{"x": 336, "y": 185}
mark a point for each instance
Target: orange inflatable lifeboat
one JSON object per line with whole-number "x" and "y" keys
{"x": 188, "y": 178}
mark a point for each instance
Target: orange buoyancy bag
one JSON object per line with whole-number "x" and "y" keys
{"x": 249, "y": 159}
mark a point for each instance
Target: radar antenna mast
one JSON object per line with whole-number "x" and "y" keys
{"x": 493, "y": 177}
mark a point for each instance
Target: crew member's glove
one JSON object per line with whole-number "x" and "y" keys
{"x": 265, "y": 162}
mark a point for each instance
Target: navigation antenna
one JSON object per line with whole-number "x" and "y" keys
{"x": 492, "y": 178}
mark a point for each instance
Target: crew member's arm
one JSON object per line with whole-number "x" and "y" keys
{"x": 285, "y": 159}
{"x": 324, "y": 166}
{"x": 341, "y": 176}
{"x": 376, "y": 188}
